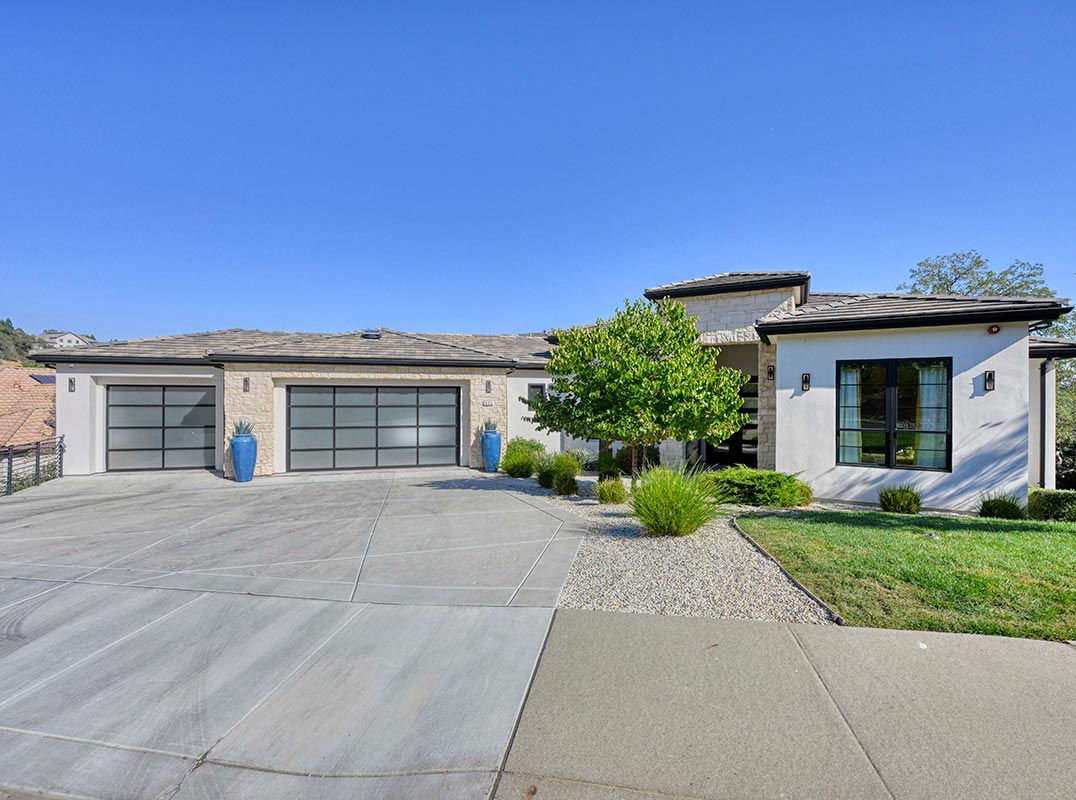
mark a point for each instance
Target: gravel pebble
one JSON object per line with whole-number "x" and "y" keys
{"x": 715, "y": 572}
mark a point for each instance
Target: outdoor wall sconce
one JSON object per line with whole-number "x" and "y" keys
{"x": 70, "y": 384}
{"x": 988, "y": 380}
{"x": 246, "y": 384}
{"x": 489, "y": 386}
{"x": 770, "y": 372}
{"x": 805, "y": 381}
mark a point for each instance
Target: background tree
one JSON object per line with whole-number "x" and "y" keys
{"x": 15, "y": 343}
{"x": 970, "y": 274}
{"x": 640, "y": 377}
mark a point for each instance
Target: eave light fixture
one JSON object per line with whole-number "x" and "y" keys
{"x": 988, "y": 380}
{"x": 805, "y": 381}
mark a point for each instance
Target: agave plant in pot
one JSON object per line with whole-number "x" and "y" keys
{"x": 244, "y": 450}
{"x": 491, "y": 445}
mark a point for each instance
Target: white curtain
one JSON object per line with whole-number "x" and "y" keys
{"x": 932, "y": 415}
{"x": 851, "y": 441}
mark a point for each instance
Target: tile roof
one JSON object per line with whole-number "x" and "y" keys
{"x": 1049, "y": 347}
{"x": 27, "y": 407}
{"x": 393, "y": 347}
{"x": 726, "y": 282}
{"x": 826, "y": 311}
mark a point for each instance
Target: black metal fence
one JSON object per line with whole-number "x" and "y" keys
{"x": 26, "y": 465}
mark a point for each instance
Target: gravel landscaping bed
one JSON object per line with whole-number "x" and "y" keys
{"x": 715, "y": 572}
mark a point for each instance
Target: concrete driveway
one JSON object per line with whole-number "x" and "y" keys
{"x": 329, "y": 636}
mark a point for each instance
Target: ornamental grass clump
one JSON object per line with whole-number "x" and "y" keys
{"x": 903, "y": 499}
{"x": 564, "y": 468}
{"x": 611, "y": 491}
{"x": 544, "y": 472}
{"x": 1002, "y": 505}
{"x": 672, "y": 502}
{"x": 521, "y": 457}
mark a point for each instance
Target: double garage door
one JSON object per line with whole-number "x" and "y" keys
{"x": 362, "y": 427}
{"x": 161, "y": 427}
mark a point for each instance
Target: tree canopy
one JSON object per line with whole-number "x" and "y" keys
{"x": 968, "y": 273}
{"x": 639, "y": 377}
{"x": 15, "y": 343}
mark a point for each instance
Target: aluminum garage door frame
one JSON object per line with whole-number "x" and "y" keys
{"x": 372, "y": 427}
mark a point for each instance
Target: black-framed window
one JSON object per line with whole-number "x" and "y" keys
{"x": 535, "y": 390}
{"x": 895, "y": 413}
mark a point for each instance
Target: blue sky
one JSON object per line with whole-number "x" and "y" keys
{"x": 512, "y": 166}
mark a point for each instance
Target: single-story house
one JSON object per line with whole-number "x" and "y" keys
{"x": 849, "y": 391}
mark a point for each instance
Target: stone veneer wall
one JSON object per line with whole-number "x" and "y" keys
{"x": 259, "y": 404}
{"x": 767, "y": 408}
{"x": 729, "y": 318}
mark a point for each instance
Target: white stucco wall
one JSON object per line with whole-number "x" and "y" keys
{"x": 1048, "y": 478}
{"x": 80, "y": 415}
{"x": 518, "y": 427}
{"x": 990, "y": 429}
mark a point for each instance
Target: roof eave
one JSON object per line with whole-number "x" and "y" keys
{"x": 253, "y": 358}
{"x": 766, "y": 329}
{"x": 658, "y": 293}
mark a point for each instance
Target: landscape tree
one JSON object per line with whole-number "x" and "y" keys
{"x": 640, "y": 377}
{"x": 968, "y": 273}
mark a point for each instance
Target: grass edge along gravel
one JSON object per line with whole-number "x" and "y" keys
{"x": 939, "y": 573}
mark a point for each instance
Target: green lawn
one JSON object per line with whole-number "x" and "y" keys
{"x": 1010, "y": 578}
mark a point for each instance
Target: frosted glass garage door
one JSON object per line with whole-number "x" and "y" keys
{"x": 161, "y": 427}
{"x": 364, "y": 427}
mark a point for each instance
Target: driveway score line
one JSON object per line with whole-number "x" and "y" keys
{"x": 840, "y": 710}
{"x": 205, "y": 753}
{"x": 535, "y": 565}
{"x": 370, "y": 540}
{"x": 522, "y": 706}
{"x": 34, "y": 687}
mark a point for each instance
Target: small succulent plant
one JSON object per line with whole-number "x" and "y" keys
{"x": 243, "y": 428}
{"x": 489, "y": 425}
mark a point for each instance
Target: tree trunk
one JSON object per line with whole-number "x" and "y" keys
{"x": 604, "y": 446}
{"x": 634, "y": 462}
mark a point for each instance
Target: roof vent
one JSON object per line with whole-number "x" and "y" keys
{"x": 371, "y": 333}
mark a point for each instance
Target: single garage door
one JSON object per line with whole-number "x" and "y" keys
{"x": 161, "y": 427}
{"x": 360, "y": 427}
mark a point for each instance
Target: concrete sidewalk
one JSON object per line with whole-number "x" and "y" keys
{"x": 631, "y": 706}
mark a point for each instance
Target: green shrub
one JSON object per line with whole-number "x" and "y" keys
{"x": 759, "y": 487}
{"x": 566, "y": 464}
{"x": 519, "y": 463}
{"x": 581, "y": 457}
{"x": 544, "y": 472}
{"x": 672, "y": 502}
{"x": 903, "y": 499}
{"x": 522, "y": 445}
{"x": 1001, "y": 505}
{"x": 1052, "y": 504}
{"x": 611, "y": 490}
{"x": 607, "y": 468}
{"x": 623, "y": 458}
{"x": 563, "y": 483}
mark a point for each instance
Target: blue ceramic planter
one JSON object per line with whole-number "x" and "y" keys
{"x": 244, "y": 454}
{"x": 491, "y": 449}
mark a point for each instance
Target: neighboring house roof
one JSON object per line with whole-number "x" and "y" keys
{"x": 728, "y": 282}
{"x": 1047, "y": 347}
{"x": 391, "y": 347}
{"x": 842, "y": 312}
{"x": 27, "y": 406}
